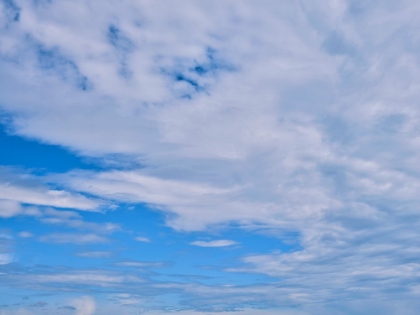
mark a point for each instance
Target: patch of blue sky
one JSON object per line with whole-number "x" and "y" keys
{"x": 12, "y": 300}
{"x": 186, "y": 259}
{"x": 31, "y": 154}
{"x": 196, "y": 75}
{"x": 33, "y": 251}
{"x": 182, "y": 261}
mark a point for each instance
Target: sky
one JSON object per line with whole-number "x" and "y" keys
{"x": 198, "y": 157}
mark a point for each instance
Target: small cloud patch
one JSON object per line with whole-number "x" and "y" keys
{"x": 68, "y": 308}
{"x": 39, "y": 304}
{"x": 94, "y": 254}
{"x": 144, "y": 264}
{"x": 63, "y": 238}
{"x": 217, "y": 243}
{"x": 142, "y": 239}
{"x": 25, "y": 234}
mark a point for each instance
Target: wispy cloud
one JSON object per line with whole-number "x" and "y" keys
{"x": 25, "y": 234}
{"x": 39, "y": 304}
{"x": 94, "y": 254}
{"x": 5, "y": 258}
{"x": 20, "y": 188}
{"x": 62, "y": 238}
{"x": 143, "y": 264}
{"x": 142, "y": 239}
{"x": 216, "y": 243}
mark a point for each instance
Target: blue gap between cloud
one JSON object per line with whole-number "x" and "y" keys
{"x": 17, "y": 151}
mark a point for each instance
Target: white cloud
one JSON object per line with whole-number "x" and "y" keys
{"x": 94, "y": 254}
{"x": 74, "y": 220}
{"x": 25, "y": 234}
{"x": 142, "y": 264}
{"x": 6, "y": 249}
{"x": 294, "y": 199}
{"x": 5, "y": 259}
{"x": 216, "y": 243}
{"x": 84, "y": 305}
{"x": 9, "y": 208}
{"x": 54, "y": 198}
{"x": 142, "y": 239}
{"x": 62, "y": 238}
{"x": 91, "y": 277}
{"x": 16, "y": 189}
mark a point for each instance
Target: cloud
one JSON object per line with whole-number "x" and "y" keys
{"x": 95, "y": 278}
{"x": 63, "y": 238}
{"x": 294, "y": 117}
{"x": 215, "y": 204}
{"x": 16, "y": 189}
{"x": 51, "y": 216}
{"x": 238, "y": 312}
{"x": 70, "y": 308}
{"x": 9, "y": 208}
{"x": 142, "y": 239}
{"x": 6, "y": 249}
{"x": 74, "y": 220}
{"x": 84, "y": 305}
{"x": 94, "y": 254}
{"x": 216, "y": 243}
{"x": 53, "y": 198}
{"x": 16, "y": 312}
{"x": 25, "y": 234}
{"x": 39, "y": 304}
{"x": 143, "y": 264}
{"x": 5, "y": 258}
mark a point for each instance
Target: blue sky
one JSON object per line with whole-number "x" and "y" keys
{"x": 209, "y": 157}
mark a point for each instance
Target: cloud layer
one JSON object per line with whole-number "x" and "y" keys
{"x": 278, "y": 118}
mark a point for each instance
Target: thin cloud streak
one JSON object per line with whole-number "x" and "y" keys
{"x": 216, "y": 243}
